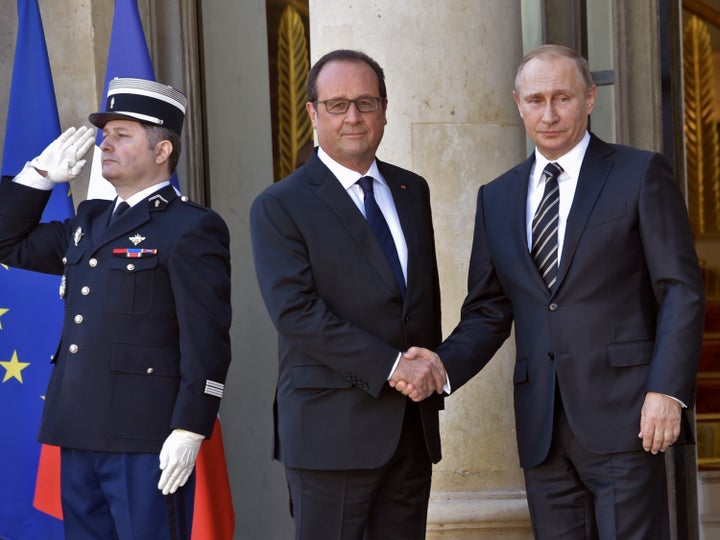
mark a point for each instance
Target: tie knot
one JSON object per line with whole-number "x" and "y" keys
{"x": 121, "y": 208}
{"x": 366, "y": 183}
{"x": 552, "y": 170}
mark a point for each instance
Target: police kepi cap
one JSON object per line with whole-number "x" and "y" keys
{"x": 143, "y": 101}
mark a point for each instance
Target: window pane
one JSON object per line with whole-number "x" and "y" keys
{"x": 600, "y": 35}
{"x": 602, "y": 119}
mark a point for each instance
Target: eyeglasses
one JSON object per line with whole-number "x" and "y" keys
{"x": 341, "y": 106}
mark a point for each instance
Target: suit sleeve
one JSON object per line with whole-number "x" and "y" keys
{"x": 200, "y": 275}
{"x": 24, "y": 241}
{"x": 486, "y": 316}
{"x": 300, "y": 314}
{"x": 677, "y": 282}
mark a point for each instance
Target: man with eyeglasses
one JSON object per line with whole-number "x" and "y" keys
{"x": 345, "y": 258}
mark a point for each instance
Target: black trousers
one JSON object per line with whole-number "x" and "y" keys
{"x": 389, "y": 503}
{"x": 576, "y": 495}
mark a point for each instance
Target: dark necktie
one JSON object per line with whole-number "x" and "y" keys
{"x": 545, "y": 227}
{"x": 119, "y": 211}
{"x": 381, "y": 230}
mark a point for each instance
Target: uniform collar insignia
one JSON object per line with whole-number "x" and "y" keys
{"x": 157, "y": 200}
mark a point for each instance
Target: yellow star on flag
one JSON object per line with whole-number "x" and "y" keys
{"x": 3, "y": 311}
{"x": 14, "y": 368}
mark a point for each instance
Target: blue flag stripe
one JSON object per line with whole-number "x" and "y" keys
{"x": 30, "y": 327}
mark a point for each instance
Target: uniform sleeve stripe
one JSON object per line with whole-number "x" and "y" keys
{"x": 214, "y": 388}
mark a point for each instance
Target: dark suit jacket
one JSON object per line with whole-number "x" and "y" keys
{"x": 141, "y": 336}
{"x": 625, "y": 318}
{"x": 340, "y": 316}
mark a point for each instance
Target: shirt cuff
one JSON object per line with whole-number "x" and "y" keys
{"x": 31, "y": 178}
{"x": 397, "y": 360}
{"x": 676, "y": 399}
{"x": 446, "y": 387}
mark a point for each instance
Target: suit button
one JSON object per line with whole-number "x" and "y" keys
{"x": 92, "y": 262}
{"x": 553, "y": 307}
{"x": 149, "y": 371}
{"x": 85, "y": 290}
{"x": 73, "y": 348}
{"x": 78, "y": 319}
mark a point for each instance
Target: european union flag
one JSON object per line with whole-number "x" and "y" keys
{"x": 30, "y": 309}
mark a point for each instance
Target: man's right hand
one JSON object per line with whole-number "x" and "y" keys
{"x": 419, "y": 373}
{"x": 61, "y": 161}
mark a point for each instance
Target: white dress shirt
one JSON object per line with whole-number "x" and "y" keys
{"x": 348, "y": 178}
{"x": 567, "y": 182}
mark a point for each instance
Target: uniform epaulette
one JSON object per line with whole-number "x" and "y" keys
{"x": 185, "y": 199}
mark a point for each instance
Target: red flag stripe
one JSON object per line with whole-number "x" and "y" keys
{"x": 47, "y": 484}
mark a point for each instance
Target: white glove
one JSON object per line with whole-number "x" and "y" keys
{"x": 62, "y": 159}
{"x": 177, "y": 459}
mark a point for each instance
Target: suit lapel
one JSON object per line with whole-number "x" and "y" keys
{"x": 517, "y": 206}
{"x": 97, "y": 223}
{"x": 402, "y": 198}
{"x": 334, "y": 196}
{"x": 593, "y": 174}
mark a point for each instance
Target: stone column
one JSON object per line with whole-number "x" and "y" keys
{"x": 449, "y": 69}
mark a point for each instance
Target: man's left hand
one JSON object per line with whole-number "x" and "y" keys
{"x": 177, "y": 459}
{"x": 659, "y": 422}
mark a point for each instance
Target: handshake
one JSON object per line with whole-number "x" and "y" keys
{"x": 419, "y": 373}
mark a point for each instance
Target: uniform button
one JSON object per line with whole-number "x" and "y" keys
{"x": 130, "y": 267}
{"x": 64, "y": 260}
{"x": 553, "y": 307}
{"x": 78, "y": 319}
{"x": 73, "y": 348}
{"x": 85, "y": 290}
{"x": 150, "y": 371}
{"x": 184, "y": 198}
{"x": 92, "y": 262}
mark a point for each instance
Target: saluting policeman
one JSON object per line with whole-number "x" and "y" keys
{"x": 145, "y": 346}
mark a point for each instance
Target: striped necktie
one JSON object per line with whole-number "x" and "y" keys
{"x": 545, "y": 227}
